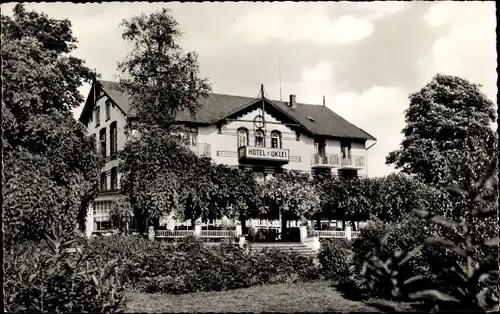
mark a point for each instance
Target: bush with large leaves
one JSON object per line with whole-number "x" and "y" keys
{"x": 48, "y": 277}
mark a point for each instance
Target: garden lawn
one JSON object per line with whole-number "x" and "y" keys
{"x": 300, "y": 297}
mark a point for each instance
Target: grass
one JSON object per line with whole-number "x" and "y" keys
{"x": 286, "y": 298}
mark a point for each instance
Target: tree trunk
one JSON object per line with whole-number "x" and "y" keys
{"x": 343, "y": 224}
{"x": 353, "y": 224}
{"x": 243, "y": 225}
{"x": 284, "y": 229}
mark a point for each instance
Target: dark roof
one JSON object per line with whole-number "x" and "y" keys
{"x": 216, "y": 107}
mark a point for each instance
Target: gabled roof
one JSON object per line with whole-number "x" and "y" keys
{"x": 217, "y": 107}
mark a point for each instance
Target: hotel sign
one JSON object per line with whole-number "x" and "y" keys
{"x": 264, "y": 153}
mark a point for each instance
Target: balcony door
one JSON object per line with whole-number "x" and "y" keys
{"x": 320, "y": 149}
{"x": 345, "y": 148}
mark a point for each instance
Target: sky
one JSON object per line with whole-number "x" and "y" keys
{"x": 364, "y": 57}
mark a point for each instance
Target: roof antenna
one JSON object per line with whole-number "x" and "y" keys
{"x": 279, "y": 69}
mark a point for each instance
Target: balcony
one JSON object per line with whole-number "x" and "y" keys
{"x": 251, "y": 154}
{"x": 353, "y": 162}
{"x": 326, "y": 161}
{"x": 201, "y": 150}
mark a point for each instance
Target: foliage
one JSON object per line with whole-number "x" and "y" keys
{"x": 49, "y": 278}
{"x": 346, "y": 199}
{"x": 241, "y": 192}
{"x": 448, "y": 138}
{"x": 473, "y": 285}
{"x": 121, "y": 213}
{"x": 399, "y": 194}
{"x": 160, "y": 78}
{"x": 292, "y": 195}
{"x": 153, "y": 170}
{"x": 51, "y": 167}
{"x": 189, "y": 265}
{"x": 334, "y": 257}
{"x": 162, "y": 82}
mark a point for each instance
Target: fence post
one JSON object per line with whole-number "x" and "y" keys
{"x": 237, "y": 231}
{"x": 197, "y": 228}
{"x": 348, "y": 234}
{"x": 89, "y": 222}
{"x": 170, "y": 222}
{"x": 303, "y": 233}
{"x": 151, "y": 233}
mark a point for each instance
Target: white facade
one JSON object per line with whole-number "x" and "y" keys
{"x": 221, "y": 144}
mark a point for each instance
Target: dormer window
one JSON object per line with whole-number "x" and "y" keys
{"x": 276, "y": 139}
{"x": 310, "y": 118}
{"x": 242, "y": 137}
{"x": 259, "y": 138}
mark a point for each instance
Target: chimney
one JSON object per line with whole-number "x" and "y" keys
{"x": 293, "y": 101}
{"x": 324, "y": 103}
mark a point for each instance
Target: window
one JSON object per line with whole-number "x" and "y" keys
{"x": 102, "y": 140}
{"x": 94, "y": 137}
{"x": 276, "y": 139}
{"x": 191, "y": 135}
{"x": 345, "y": 148}
{"x": 104, "y": 182}
{"x": 97, "y": 116}
{"x": 113, "y": 139}
{"x": 114, "y": 179}
{"x": 259, "y": 138}
{"x": 108, "y": 109}
{"x": 102, "y": 219}
{"x": 242, "y": 137}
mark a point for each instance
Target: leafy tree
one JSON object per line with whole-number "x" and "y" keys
{"x": 290, "y": 196}
{"x": 448, "y": 137}
{"x": 448, "y": 141}
{"x": 121, "y": 213}
{"x": 154, "y": 167}
{"x": 242, "y": 193}
{"x": 161, "y": 81}
{"x": 346, "y": 199}
{"x": 51, "y": 167}
{"x": 201, "y": 197}
{"x": 399, "y": 194}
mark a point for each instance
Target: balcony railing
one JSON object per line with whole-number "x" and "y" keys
{"x": 325, "y": 161}
{"x": 353, "y": 162}
{"x": 201, "y": 149}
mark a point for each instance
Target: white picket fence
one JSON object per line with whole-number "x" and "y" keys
{"x": 202, "y": 233}
{"x": 173, "y": 233}
{"x": 325, "y": 234}
{"x": 217, "y": 233}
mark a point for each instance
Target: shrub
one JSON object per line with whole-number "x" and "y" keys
{"x": 469, "y": 281}
{"x": 403, "y": 237}
{"x": 47, "y": 278}
{"x": 334, "y": 257}
{"x": 190, "y": 266}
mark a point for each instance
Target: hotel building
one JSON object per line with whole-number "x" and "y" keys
{"x": 265, "y": 135}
